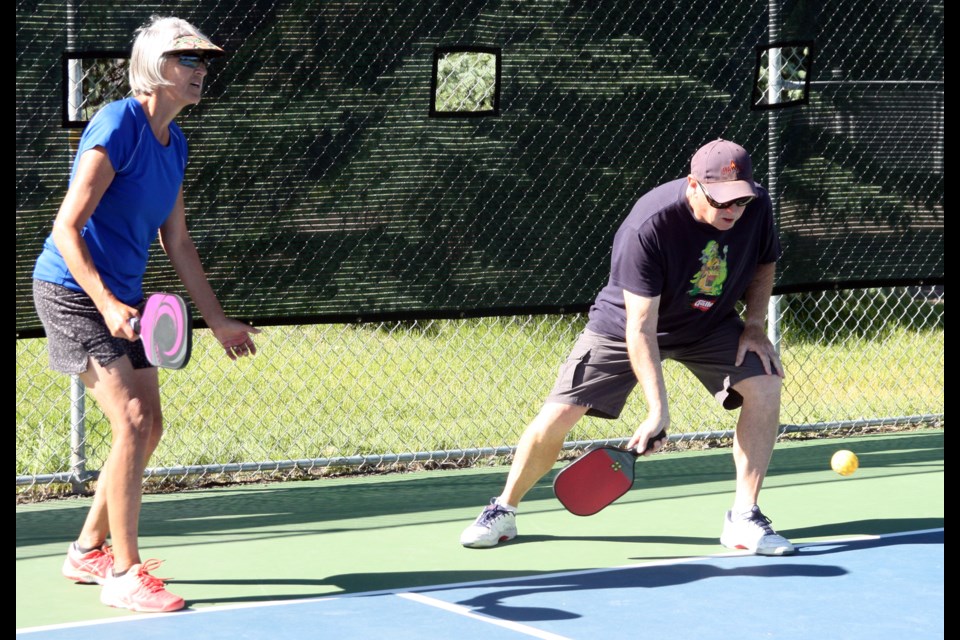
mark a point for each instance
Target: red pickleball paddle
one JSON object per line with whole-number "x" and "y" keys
{"x": 597, "y": 478}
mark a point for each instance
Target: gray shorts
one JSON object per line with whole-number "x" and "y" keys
{"x": 597, "y": 373}
{"x": 77, "y": 332}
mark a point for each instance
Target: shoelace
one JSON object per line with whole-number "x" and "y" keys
{"x": 491, "y": 514}
{"x": 762, "y": 521}
{"x": 149, "y": 582}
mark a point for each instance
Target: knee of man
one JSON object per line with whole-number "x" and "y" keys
{"x": 760, "y": 388}
{"x": 558, "y": 416}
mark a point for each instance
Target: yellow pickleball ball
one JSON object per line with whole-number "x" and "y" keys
{"x": 844, "y": 462}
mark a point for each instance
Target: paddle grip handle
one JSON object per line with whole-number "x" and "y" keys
{"x": 135, "y": 325}
{"x": 652, "y": 441}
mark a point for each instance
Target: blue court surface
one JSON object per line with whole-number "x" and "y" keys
{"x": 879, "y": 588}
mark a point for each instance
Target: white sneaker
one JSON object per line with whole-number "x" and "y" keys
{"x": 493, "y": 526}
{"x": 753, "y": 532}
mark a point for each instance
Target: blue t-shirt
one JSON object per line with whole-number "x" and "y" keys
{"x": 699, "y": 272}
{"x": 138, "y": 200}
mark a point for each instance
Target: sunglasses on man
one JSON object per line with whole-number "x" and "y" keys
{"x": 739, "y": 202}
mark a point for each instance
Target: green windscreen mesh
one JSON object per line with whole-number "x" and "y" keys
{"x": 321, "y": 189}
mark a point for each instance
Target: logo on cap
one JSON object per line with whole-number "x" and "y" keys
{"x": 730, "y": 172}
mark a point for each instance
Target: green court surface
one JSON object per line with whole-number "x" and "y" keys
{"x": 282, "y": 541}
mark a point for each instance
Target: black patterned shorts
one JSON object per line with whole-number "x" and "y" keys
{"x": 77, "y": 332}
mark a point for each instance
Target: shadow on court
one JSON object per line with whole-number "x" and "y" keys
{"x": 361, "y": 535}
{"x": 677, "y": 574}
{"x": 494, "y": 597}
{"x": 281, "y": 510}
{"x": 493, "y": 602}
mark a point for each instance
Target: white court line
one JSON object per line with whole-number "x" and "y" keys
{"x": 447, "y": 587}
{"x": 467, "y": 613}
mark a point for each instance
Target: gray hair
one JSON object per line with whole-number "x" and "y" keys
{"x": 151, "y": 42}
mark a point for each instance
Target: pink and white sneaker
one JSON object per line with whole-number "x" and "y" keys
{"x": 137, "y": 590}
{"x": 92, "y": 567}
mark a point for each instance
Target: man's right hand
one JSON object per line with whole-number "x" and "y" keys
{"x": 652, "y": 429}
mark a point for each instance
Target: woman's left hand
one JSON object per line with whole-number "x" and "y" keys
{"x": 235, "y": 338}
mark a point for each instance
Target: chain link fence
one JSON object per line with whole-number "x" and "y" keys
{"x": 323, "y": 398}
{"x": 361, "y": 171}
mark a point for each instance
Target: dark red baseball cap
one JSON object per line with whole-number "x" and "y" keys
{"x": 726, "y": 167}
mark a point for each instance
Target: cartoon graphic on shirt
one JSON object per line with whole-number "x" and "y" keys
{"x": 713, "y": 272}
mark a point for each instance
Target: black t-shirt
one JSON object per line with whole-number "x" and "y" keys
{"x": 698, "y": 271}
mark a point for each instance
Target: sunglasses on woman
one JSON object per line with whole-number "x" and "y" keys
{"x": 739, "y": 202}
{"x": 192, "y": 61}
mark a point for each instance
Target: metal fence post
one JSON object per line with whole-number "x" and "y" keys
{"x": 78, "y": 434}
{"x": 773, "y": 157}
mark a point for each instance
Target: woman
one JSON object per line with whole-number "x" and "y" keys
{"x": 125, "y": 188}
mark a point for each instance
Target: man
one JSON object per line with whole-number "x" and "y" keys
{"x": 687, "y": 253}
